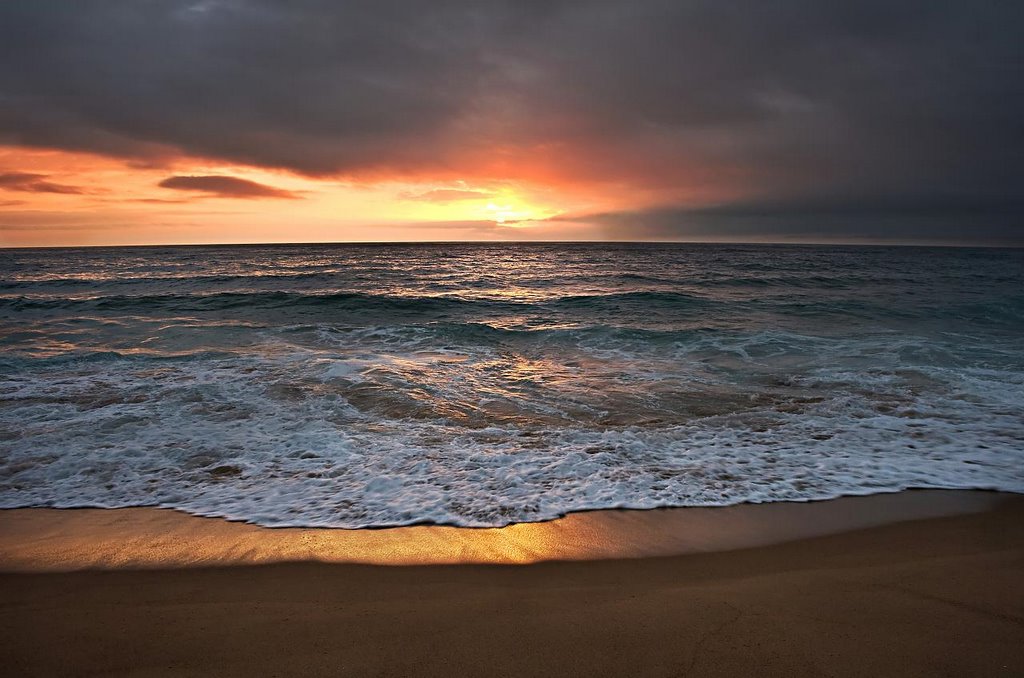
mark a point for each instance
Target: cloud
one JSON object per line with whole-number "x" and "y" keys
{"x": 35, "y": 183}
{"x": 226, "y": 187}
{"x": 696, "y": 102}
{"x": 946, "y": 220}
{"x": 446, "y": 195}
{"x": 161, "y": 201}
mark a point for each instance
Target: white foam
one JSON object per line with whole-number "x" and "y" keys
{"x": 481, "y": 437}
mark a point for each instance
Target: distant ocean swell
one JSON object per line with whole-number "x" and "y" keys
{"x": 1010, "y": 309}
{"x": 478, "y": 386}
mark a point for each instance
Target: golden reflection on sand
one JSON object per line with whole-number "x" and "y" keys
{"x": 55, "y": 539}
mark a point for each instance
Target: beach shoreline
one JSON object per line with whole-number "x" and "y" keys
{"x": 931, "y": 596}
{"x": 39, "y": 539}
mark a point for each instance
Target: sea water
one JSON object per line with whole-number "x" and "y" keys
{"x": 485, "y": 384}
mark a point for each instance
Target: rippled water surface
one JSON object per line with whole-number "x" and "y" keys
{"x": 486, "y": 384}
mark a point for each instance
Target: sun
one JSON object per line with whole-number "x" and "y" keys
{"x": 501, "y": 213}
{"x": 506, "y": 205}
{"x": 512, "y": 210}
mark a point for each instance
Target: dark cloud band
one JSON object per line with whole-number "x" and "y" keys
{"x": 28, "y": 182}
{"x": 225, "y": 187}
{"x": 795, "y": 99}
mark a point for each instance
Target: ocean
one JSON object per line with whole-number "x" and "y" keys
{"x": 486, "y": 384}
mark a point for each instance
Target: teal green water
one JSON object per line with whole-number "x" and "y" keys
{"x": 479, "y": 385}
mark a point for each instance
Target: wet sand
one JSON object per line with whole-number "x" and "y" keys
{"x": 931, "y": 596}
{"x": 36, "y": 540}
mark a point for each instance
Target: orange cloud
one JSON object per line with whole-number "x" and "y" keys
{"x": 446, "y": 195}
{"x": 29, "y": 182}
{"x": 121, "y": 202}
{"x": 226, "y": 187}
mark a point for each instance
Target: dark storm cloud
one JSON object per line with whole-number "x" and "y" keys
{"x": 225, "y": 187}
{"x": 794, "y": 99}
{"x": 911, "y": 219}
{"x": 28, "y": 182}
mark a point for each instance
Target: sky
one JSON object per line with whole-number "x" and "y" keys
{"x": 160, "y": 121}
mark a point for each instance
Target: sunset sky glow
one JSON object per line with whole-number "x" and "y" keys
{"x": 236, "y": 121}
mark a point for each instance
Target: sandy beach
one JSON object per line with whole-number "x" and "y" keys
{"x": 923, "y": 597}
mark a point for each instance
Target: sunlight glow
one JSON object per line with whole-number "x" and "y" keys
{"x": 502, "y": 214}
{"x": 88, "y": 199}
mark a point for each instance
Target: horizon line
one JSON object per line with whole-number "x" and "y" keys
{"x": 792, "y": 243}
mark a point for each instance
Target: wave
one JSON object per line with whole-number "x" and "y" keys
{"x": 352, "y": 390}
{"x": 233, "y": 300}
{"x": 632, "y": 306}
{"x": 248, "y": 281}
{"x": 175, "y": 278}
{"x": 337, "y": 300}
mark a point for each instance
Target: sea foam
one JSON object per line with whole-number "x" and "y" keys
{"x": 479, "y": 386}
